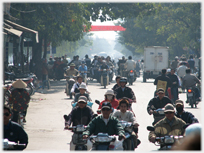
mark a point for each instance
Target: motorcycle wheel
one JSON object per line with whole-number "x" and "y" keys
{"x": 191, "y": 103}
{"x": 104, "y": 82}
{"x": 48, "y": 84}
{"x": 30, "y": 90}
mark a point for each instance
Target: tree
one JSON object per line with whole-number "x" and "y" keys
{"x": 176, "y": 25}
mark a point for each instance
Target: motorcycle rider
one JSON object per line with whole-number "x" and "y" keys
{"x": 83, "y": 67}
{"x": 87, "y": 60}
{"x": 124, "y": 114}
{"x": 174, "y": 63}
{"x": 124, "y": 91}
{"x": 109, "y": 97}
{"x": 169, "y": 125}
{"x": 82, "y": 92}
{"x": 71, "y": 72}
{"x": 117, "y": 79}
{"x": 104, "y": 123}
{"x": 175, "y": 84}
{"x": 191, "y": 63}
{"x": 64, "y": 60}
{"x": 77, "y": 62}
{"x": 190, "y": 80}
{"x": 188, "y": 117}
{"x": 20, "y": 98}
{"x": 120, "y": 63}
{"x": 13, "y": 131}
{"x": 80, "y": 115}
{"x": 111, "y": 66}
{"x": 157, "y": 102}
{"x": 163, "y": 81}
{"x": 75, "y": 87}
{"x": 130, "y": 64}
{"x": 103, "y": 66}
{"x": 138, "y": 68}
{"x": 181, "y": 71}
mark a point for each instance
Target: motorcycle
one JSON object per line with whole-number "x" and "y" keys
{"x": 111, "y": 74}
{"x": 165, "y": 142}
{"x": 191, "y": 97}
{"x": 131, "y": 77}
{"x": 102, "y": 141}
{"x": 9, "y": 145}
{"x": 159, "y": 114}
{"x": 104, "y": 77}
{"x": 128, "y": 143}
{"x": 82, "y": 73}
{"x": 78, "y": 142}
{"x": 70, "y": 82}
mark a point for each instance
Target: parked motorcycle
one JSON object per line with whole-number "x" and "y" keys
{"x": 128, "y": 143}
{"x": 104, "y": 77}
{"x": 165, "y": 142}
{"x": 102, "y": 141}
{"x": 9, "y": 145}
{"x": 70, "y": 82}
{"x": 191, "y": 97}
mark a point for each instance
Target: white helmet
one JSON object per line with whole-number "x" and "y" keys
{"x": 109, "y": 92}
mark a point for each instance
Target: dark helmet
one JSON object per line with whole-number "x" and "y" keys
{"x": 87, "y": 56}
{"x": 123, "y": 79}
{"x": 83, "y": 62}
{"x": 130, "y": 57}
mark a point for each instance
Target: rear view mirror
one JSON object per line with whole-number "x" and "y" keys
{"x": 150, "y": 128}
{"x": 97, "y": 101}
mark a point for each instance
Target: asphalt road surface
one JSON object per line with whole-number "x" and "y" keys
{"x": 45, "y": 122}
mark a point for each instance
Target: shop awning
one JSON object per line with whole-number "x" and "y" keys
{"x": 14, "y": 31}
{"x": 22, "y": 28}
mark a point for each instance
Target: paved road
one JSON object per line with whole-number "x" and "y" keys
{"x": 45, "y": 122}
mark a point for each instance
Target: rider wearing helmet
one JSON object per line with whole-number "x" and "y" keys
{"x": 83, "y": 67}
{"x": 124, "y": 91}
{"x": 87, "y": 61}
{"x": 109, "y": 97}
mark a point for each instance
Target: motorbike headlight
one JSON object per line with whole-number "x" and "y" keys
{"x": 104, "y": 70}
{"x": 169, "y": 140}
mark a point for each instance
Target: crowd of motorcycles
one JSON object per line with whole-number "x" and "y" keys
{"x": 101, "y": 141}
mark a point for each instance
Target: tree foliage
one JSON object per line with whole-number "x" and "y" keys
{"x": 176, "y": 25}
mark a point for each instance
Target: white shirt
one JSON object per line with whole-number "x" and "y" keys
{"x": 77, "y": 85}
{"x": 130, "y": 65}
{"x": 181, "y": 70}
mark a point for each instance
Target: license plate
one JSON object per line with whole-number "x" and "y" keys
{"x": 190, "y": 94}
{"x": 131, "y": 74}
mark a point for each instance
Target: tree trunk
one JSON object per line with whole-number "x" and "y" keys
{"x": 45, "y": 47}
{"x": 22, "y": 55}
{"x": 37, "y": 54}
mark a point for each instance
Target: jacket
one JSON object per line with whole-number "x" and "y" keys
{"x": 14, "y": 132}
{"x": 174, "y": 78}
{"x": 126, "y": 93}
{"x": 115, "y": 87}
{"x": 70, "y": 72}
{"x": 127, "y": 116}
{"x": 114, "y": 103}
{"x": 190, "y": 80}
{"x": 163, "y": 128}
{"x": 165, "y": 79}
{"x": 174, "y": 64}
{"x": 187, "y": 117}
{"x": 80, "y": 116}
{"x": 156, "y": 103}
{"x": 97, "y": 125}
{"x": 130, "y": 65}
